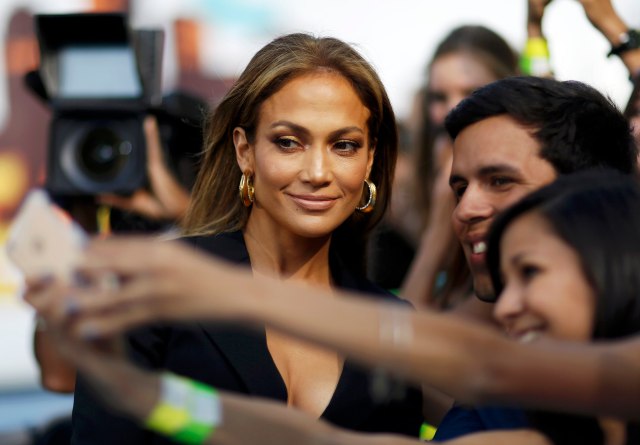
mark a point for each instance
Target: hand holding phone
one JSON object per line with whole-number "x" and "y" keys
{"x": 44, "y": 241}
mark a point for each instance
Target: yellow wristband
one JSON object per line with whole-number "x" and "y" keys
{"x": 167, "y": 419}
{"x": 535, "y": 57}
{"x": 188, "y": 411}
{"x": 536, "y": 47}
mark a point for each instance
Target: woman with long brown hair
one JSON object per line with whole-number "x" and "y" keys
{"x": 296, "y": 170}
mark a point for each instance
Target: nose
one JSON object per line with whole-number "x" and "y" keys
{"x": 510, "y": 306}
{"x": 474, "y": 206}
{"x": 317, "y": 169}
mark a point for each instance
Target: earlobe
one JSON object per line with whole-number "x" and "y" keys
{"x": 244, "y": 150}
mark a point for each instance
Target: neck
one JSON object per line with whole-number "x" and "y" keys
{"x": 281, "y": 254}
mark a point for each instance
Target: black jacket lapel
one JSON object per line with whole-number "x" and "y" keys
{"x": 247, "y": 353}
{"x": 245, "y": 349}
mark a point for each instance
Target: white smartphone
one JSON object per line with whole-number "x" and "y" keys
{"x": 44, "y": 241}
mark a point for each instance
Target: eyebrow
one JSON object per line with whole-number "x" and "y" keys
{"x": 302, "y": 130}
{"x": 517, "y": 258}
{"x": 485, "y": 171}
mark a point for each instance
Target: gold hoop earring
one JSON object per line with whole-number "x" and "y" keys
{"x": 246, "y": 189}
{"x": 371, "y": 202}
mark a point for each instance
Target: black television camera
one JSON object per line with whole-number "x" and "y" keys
{"x": 101, "y": 78}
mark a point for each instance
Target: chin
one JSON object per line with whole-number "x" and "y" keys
{"x": 483, "y": 288}
{"x": 310, "y": 231}
{"x": 315, "y": 227}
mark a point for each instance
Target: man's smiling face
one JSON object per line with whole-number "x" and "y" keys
{"x": 496, "y": 161}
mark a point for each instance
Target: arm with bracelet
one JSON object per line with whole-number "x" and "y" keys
{"x": 470, "y": 362}
{"x": 624, "y": 41}
{"x": 535, "y": 58}
{"x": 189, "y": 412}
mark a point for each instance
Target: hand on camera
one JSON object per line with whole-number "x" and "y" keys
{"x": 166, "y": 199}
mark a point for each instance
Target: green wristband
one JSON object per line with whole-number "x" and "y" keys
{"x": 188, "y": 411}
{"x": 534, "y": 60}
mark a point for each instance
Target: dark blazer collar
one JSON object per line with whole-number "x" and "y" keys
{"x": 247, "y": 351}
{"x": 229, "y": 246}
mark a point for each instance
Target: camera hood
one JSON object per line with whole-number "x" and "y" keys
{"x": 96, "y": 61}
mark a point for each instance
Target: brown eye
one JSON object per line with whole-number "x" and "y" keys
{"x": 286, "y": 143}
{"x": 436, "y": 97}
{"x": 528, "y": 271}
{"x": 500, "y": 181}
{"x": 347, "y": 146}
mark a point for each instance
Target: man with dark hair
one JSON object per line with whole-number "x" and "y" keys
{"x": 518, "y": 134}
{"x": 512, "y": 137}
{"x": 575, "y": 124}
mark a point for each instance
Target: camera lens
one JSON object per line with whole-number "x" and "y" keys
{"x": 102, "y": 153}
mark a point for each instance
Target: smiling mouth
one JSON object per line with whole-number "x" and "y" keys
{"x": 529, "y": 336}
{"x": 313, "y": 203}
{"x": 479, "y": 247}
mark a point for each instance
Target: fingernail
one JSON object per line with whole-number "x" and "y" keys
{"x": 47, "y": 279}
{"x": 89, "y": 332}
{"x": 80, "y": 280}
{"x": 71, "y": 306}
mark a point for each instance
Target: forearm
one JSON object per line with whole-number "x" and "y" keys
{"x": 467, "y": 361}
{"x": 253, "y": 420}
{"x": 423, "y": 347}
{"x": 508, "y": 437}
{"x": 591, "y": 379}
{"x": 267, "y": 422}
{"x": 605, "y": 19}
{"x": 535, "y": 12}
{"x": 612, "y": 30}
{"x": 418, "y": 286}
{"x": 436, "y": 245}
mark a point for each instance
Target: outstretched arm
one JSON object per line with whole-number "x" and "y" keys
{"x": 137, "y": 393}
{"x": 467, "y": 361}
{"x": 604, "y": 17}
{"x": 535, "y": 12}
{"x": 534, "y": 58}
{"x": 436, "y": 244}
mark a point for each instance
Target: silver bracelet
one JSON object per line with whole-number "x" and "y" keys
{"x": 395, "y": 326}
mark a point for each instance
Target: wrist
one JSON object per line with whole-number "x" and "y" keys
{"x": 534, "y": 29}
{"x": 142, "y": 406}
{"x": 535, "y": 58}
{"x": 40, "y": 324}
{"x": 626, "y": 42}
{"x": 187, "y": 411}
{"x": 631, "y": 59}
{"x": 611, "y": 29}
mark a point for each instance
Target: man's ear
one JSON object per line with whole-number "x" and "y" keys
{"x": 244, "y": 150}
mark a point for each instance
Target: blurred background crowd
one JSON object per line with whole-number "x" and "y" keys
{"x": 208, "y": 42}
